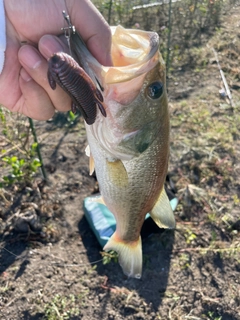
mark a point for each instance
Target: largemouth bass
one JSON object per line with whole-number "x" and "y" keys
{"x": 128, "y": 135}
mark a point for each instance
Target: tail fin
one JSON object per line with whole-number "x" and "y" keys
{"x": 129, "y": 255}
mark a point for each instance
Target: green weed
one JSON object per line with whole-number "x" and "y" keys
{"x": 189, "y": 236}
{"x": 184, "y": 261}
{"x": 109, "y": 257}
{"x": 19, "y": 169}
{"x": 236, "y": 200}
{"x": 19, "y": 155}
{"x": 212, "y": 316}
{"x": 212, "y": 217}
{"x": 72, "y": 118}
{"x": 64, "y": 307}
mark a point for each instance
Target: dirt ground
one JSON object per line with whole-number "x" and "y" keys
{"x": 51, "y": 265}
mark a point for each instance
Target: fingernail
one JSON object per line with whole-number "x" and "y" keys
{"x": 49, "y": 44}
{"x": 24, "y": 75}
{"x": 30, "y": 57}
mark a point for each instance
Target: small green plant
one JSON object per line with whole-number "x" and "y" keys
{"x": 212, "y": 217}
{"x": 109, "y": 256}
{"x": 20, "y": 157}
{"x": 72, "y": 118}
{"x": 62, "y": 307}
{"x": 236, "y": 200}
{"x": 212, "y": 316}
{"x": 213, "y": 238}
{"x": 3, "y": 120}
{"x": 189, "y": 236}
{"x": 185, "y": 261}
{"x": 20, "y": 169}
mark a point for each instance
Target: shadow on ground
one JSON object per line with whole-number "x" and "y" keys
{"x": 157, "y": 248}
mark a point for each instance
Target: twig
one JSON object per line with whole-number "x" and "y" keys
{"x": 7, "y": 151}
{"x": 58, "y": 263}
{"x": 10, "y": 252}
{"x": 192, "y": 318}
{"x": 15, "y": 146}
{"x": 10, "y": 302}
{"x": 223, "y": 78}
{"x": 3, "y": 196}
{"x": 180, "y": 250}
{"x": 75, "y": 265}
{"x": 204, "y": 249}
{"x": 215, "y": 300}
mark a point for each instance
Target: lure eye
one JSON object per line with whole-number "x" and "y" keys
{"x": 155, "y": 90}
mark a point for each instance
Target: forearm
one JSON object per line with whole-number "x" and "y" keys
{"x": 2, "y": 35}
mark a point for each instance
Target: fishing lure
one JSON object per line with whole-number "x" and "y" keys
{"x": 72, "y": 78}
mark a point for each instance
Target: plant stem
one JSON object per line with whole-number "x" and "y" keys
{"x": 169, "y": 36}
{"x": 109, "y": 11}
{"x": 38, "y": 148}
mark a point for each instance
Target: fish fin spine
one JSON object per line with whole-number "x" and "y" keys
{"x": 162, "y": 213}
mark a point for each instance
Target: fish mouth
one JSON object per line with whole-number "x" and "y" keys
{"x": 134, "y": 52}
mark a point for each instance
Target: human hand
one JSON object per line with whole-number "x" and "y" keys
{"x": 23, "y": 81}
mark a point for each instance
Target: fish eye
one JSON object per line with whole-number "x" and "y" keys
{"x": 155, "y": 90}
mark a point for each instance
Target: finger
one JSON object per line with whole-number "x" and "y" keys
{"x": 37, "y": 67}
{"x": 48, "y": 45}
{"x": 93, "y": 28}
{"x": 35, "y": 102}
{"x": 10, "y": 91}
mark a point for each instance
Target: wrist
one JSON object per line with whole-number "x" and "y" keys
{"x": 2, "y": 35}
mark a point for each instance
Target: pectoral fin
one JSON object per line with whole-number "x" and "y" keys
{"x": 91, "y": 161}
{"x": 162, "y": 212}
{"x": 91, "y": 165}
{"x": 129, "y": 255}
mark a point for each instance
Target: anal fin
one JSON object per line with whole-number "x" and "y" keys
{"x": 162, "y": 213}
